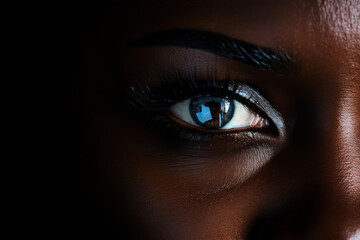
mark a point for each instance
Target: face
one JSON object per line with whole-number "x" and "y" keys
{"x": 225, "y": 120}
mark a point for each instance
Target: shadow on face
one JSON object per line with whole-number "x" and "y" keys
{"x": 231, "y": 120}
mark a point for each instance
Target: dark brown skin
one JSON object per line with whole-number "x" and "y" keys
{"x": 309, "y": 188}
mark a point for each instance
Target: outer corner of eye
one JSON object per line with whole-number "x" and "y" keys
{"x": 244, "y": 118}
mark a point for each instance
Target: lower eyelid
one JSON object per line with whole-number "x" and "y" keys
{"x": 195, "y": 127}
{"x": 196, "y": 142}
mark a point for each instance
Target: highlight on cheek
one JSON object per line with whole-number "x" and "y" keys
{"x": 217, "y": 113}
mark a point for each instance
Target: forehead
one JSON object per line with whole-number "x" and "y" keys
{"x": 256, "y": 20}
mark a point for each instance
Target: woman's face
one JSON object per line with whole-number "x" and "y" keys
{"x": 226, "y": 119}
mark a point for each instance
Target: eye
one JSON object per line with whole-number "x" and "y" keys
{"x": 215, "y": 113}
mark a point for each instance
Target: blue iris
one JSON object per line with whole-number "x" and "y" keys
{"x": 211, "y": 112}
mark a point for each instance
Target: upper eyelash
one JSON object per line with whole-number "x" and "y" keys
{"x": 176, "y": 88}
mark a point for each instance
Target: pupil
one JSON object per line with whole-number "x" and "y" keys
{"x": 211, "y": 112}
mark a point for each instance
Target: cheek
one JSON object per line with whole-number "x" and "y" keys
{"x": 126, "y": 150}
{"x": 218, "y": 200}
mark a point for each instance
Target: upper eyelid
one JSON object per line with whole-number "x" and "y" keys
{"x": 172, "y": 90}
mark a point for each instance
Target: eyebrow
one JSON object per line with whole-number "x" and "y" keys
{"x": 221, "y": 45}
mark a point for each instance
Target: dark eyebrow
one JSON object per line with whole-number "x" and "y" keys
{"x": 221, "y": 45}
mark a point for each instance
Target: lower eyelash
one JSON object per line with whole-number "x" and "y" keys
{"x": 192, "y": 143}
{"x": 167, "y": 126}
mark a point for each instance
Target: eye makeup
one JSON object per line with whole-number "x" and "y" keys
{"x": 157, "y": 79}
{"x": 154, "y": 102}
{"x": 207, "y": 112}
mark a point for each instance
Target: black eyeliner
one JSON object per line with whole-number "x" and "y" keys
{"x": 173, "y": 89}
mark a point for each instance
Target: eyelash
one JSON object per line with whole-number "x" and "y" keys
{"x": 156, "y": 100}
{"x": 173, "y": 89}
{"x": 147, "y": 101}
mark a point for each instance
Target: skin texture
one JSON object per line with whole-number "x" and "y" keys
{"x": 307, "y": 187}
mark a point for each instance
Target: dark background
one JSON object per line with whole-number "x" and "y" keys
{"x": 62, "y": 208}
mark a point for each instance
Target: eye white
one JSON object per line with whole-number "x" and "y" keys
{"x": 242, "y": 117}
{"x": 182, "y": 111}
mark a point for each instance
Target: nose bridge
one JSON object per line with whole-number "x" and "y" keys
{"x": 341, "y": 160}
{"x": 346, "y": 142}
